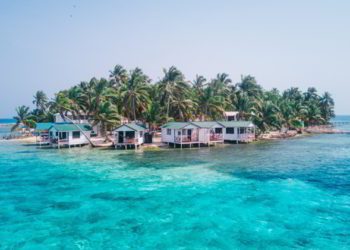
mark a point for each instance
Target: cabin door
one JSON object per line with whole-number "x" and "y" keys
{"x": 189, "y": 134}
{"x": 120, "y": 137}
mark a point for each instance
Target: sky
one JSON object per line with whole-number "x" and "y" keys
{"x": 52, "y": 45}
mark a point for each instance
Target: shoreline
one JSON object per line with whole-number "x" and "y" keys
{"x": 157, "y": 144}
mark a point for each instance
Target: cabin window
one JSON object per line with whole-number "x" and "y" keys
{"x": 63, "y": 135}
{"x": 76, "y": 134}
{"x": 168, "y": 131}
{"x": 141, "y": 133}
{"x": 130, "y": 134}
{"x": 218, "y": 130}
{"x": 178, "y": 132}
{"x": 50, "y": 133}
{"x": 242, "y": 130}
{"x": 230, "y": 130}
{"x": 56, "y": 134}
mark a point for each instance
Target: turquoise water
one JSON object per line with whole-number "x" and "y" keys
{"x": 277, "y": 195}
{"x": 7, "y": 121}
{"x": 5, "y": 127}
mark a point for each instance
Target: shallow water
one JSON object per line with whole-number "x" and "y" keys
{"x": 280, "y": 195}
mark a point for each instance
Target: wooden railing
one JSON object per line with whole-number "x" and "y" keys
{"x": 216, "y": 137}
{"x": 185, "y": 138}
{"x": 128, "y": 141}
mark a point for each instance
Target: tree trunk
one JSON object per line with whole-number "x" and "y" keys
{"x": 134, "y": 108}
{"x": 167, "y": 110}
{"x": 106, "y": 134}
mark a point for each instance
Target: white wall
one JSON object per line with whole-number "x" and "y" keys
{"x": 230, "y": 137}
{"x": 235, "y": 136}
{"x": 204, "y": 135}
{"x": 73, "y": 141}
{"x": 124, "y": 129}
{"x": 167, "y": 138}
{"x": 81, "y": 140}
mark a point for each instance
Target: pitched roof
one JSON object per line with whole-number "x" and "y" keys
{"x": 42, "y": 126}
{"x": 133, "y": 126}
{"x": 206, "y": 124}
{"x": 236, "y": 123}
{"x": 71, "y": 127}
{"x": 177, "y": 125}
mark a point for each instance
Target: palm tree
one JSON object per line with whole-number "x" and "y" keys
{"x": 23, "y": 117}
{"x": 265, "y": 115}
{"x": 41, "y": 104}
{"x": 173, "y": 84}
{"x": 220, "y": 84}
{"x": 119, "y": 76}
{"x": 86, "y": 96}
{"x": 313, "y": 115}
{"x": 199, "y": 83}
{"x": 182, "y": 108}
{"x": 243, "y": 105}
{"x": 153, "y": 115}
{"x": 327, "y": 106}
{"x": 211, "y": 106}
{"x": 106, "y": 114}
{"x": 40, "y": 100}
{"x": 311, "y": 94}
{"x": 135, "y": 93}
{"x": 293, "y": 94}
{"x": 60, "y": 104}
{"x": 249, "y": 85}
{"x": 75, "y": 102}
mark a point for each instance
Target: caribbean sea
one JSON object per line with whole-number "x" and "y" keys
{"x": 284, "y": 194}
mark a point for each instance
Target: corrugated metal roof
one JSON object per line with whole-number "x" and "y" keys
{"x": 177, "y": 125}
{"x": 206, "y": 124}
{"x": 236, "y": 123}
{"x": 71, "y": 127}
{"x": 41, "y": 126}
{"x": 133, "y": 126}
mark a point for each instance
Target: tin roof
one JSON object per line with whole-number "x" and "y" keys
{"x": 237, "y": 123}
{"x": 132, "y": 126}
{"x": 206, "y": 124}
{"x": 42, "y": 126}
{"x": 177, "y": 125}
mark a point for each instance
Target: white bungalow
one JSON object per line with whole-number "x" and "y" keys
{"x": 129, "y": 135}
{"x": 192, "y": 133}
{"x": 83, "y": 118}
{"x": 231, "y": 115}
{"x": 69, "y": 134}
{"x": 238, "y": 131}
{"x": 42, "y": 133}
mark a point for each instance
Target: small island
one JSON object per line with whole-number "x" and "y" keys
{"x": 132, "y": 97}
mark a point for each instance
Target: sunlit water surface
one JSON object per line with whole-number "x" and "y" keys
{"x": 283, "y": 194}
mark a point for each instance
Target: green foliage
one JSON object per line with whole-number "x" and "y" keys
{"x": 23, "y": 117}
{"x": 131, "y": 94}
